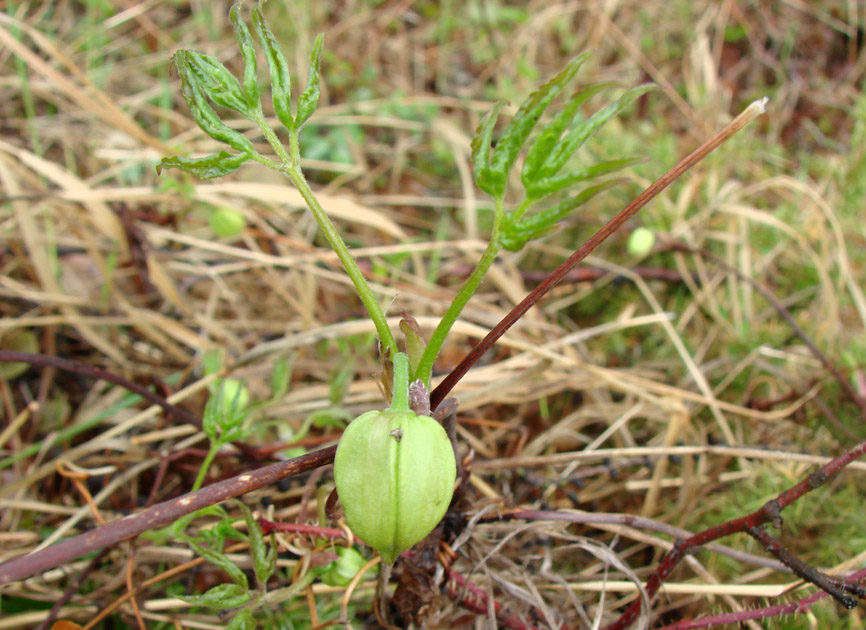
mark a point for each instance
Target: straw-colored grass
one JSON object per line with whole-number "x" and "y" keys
{"x": 683, "y": 401}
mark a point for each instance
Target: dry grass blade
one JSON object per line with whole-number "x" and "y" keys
{"x": 661, "y": 393}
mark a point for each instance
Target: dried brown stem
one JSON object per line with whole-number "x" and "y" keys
{"x": 741, "y": 616}
{"x": 770, "y": 512}
{"x": 639, "y": 522}
{"x": 158, "y": 515}
{"x": 42, "y": 360}
{"x": 442, "y": 390}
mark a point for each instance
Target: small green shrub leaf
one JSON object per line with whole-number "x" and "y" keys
{"x": 222, "y": 596}
{"x": 208, "y": 167}
{"x": 481, "y": 144}
{"x": 530, "y": 111}
{"x": 577, "y": 136}
{"x": 309, "y": 98}
{"x": 248, "y": 51}
{"x": 281, "y": 83}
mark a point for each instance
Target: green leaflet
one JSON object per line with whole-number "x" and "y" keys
{"x": 214, "y": 79}
{"x": 544, "y": 187}
{"x": 201, "y": 111}
{"x": 208, "y": 167}
{"x": 577, "y": 136}
{"x": 242, "y": 621}
{"x": 264, "y": 555}
{"x": 481, "y": 143}
{"x": 516, "y": 233}
{"x": 222, "y": 596}
{"x": 308, "y": 101}
{"x": 221, "y": 560}
{"x": 541, "y": 149}
{"x": 281, "y": 83}
{"x": 518, "y": 130}
{"x": 248, "y": 51}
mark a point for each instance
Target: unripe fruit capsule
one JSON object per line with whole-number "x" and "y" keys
{"x": 227, "y": 222}
{"x": 395, "y": 473}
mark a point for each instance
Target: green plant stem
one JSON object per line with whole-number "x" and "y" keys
{"x": 290, "y": 166}
{"x": 205, "y": 465}
{"x": 280, "y": 595}
{"x": 424, "y": 371}
{"x": 517, "y": 214}
{"x": 272, "y": 139}
{"x": 400, "y": 392}
{"x": 354, "y": 272}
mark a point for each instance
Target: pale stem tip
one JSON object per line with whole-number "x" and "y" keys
{"x": 758, "y": 107}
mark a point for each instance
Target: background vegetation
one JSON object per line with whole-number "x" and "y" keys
{"x": 586, "y": 405}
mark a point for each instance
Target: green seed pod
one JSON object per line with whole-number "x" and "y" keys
{"x": 234, "y": 394}
{"x": 227, "y": 222}
{"x": 395, "y": 473}
{"x": 641, "y": 242}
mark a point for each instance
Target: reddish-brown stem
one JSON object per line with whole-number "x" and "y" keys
{"x": 158, "y": 515}
{"x": 779, "y": 610}
{"x": 300, "y": 528}
{"x": 442, "y": 390}
{"x": 770, "y": 512}
{"x": 834, "y": 587}
{"x": 474, "y": 598}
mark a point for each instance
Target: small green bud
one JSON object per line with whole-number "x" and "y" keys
{"x": 227, "y": 222}
{"x": 395, "y": 473}
{"x": 641, "y": 242}
{"x": 234, "y": 394}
